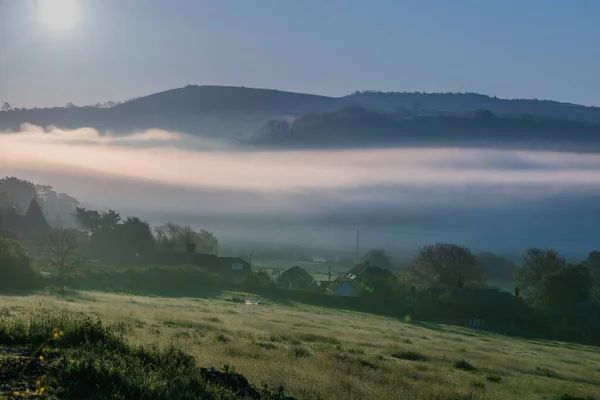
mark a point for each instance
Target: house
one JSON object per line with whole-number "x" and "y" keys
{"x": 494, "y": 307}
{"x": 31, "y": 228}
{"x": 295, "y": 278}
{"x": 364, "y": 272}
{"x": 345, "y": 288}
{"x": 232, "y": 269}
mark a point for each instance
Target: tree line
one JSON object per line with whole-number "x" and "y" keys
{"x": 543, "y": 276}
{"x": 348, "y": 126}
{"x": 80, "y": 236}
{"x": 58, "y": 207}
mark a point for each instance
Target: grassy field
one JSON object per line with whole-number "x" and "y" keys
{"x": 319, "y": 353}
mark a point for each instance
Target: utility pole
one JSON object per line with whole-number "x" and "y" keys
{"x": 356, "y": 256}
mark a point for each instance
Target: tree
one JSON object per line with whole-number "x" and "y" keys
{"x": 7, "y": 203}
{"x": 19, "y": 190}
{"x": 275, "y": 126}
{"x": 593, "y": 263}
{"x": 6, "y": 106}
{"x": 484, "y": 114}
{"x": 137, "y": 238}
{"x": 109, "y": 219}
{"x": 87, "y": 219}
{"x": 446, "y": 264}
{"x": 63, "y": 252}
{"x": 92, "y": 220}
{"x": 16, "y": 269}
{"x": 260, "y": 279}
{"x": 536, "y": 265}
{"x": 378, "y": 258}
{"x": 173, "y": 237}
{"x": 566, "y": 286}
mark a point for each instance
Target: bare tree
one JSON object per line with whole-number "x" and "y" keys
{"x": 63, "y": 252}
{"x": 173, "y": 237}
{"x": 446, "y": 264}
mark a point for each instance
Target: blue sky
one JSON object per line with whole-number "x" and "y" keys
{"x": 123, "y": 48}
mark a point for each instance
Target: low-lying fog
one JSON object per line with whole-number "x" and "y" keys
{"x": 399, "y": 198}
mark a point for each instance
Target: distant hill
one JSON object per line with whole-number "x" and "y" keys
{"x": 468, "y": 102}
{"x": 202, "y": 110}
{"x": 359, "y": 127}
{"x": 221, "y": 111}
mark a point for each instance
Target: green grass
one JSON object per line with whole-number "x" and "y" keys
{"x": 85, "y": 358}
{"x": 313, "y": 352}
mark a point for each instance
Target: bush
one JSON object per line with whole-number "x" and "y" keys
{"x": 465, "y": 365}
{"x": 16, "y": 267}
{"x": 260, "y": 279}
{"x": 87, "y": 355}
{"x": 156, "y": 279}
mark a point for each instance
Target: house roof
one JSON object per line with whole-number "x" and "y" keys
{"x": 293, "y": 274}
{"x": 488, "y": 300}
{"x": 362, "y": 271}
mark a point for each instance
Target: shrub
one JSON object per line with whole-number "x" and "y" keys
{"x": 155, "y": 279}
{"x": 465, "y": 365}
{"x": 300, "y": 352}
{"x": 16, "y": 267}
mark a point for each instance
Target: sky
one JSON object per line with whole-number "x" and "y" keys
{"x": 120, "y": 49}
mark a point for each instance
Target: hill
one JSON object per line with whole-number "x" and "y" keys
{"x": 202, "y": 110}
{"x": 468, "y": 102}
{"x": 153, "y": 347}
{"x": 220, "y": 111}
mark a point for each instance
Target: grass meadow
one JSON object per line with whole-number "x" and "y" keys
{"x": 321, "y": 353}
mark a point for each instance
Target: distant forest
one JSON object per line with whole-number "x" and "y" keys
{"x": 360, "y": 127}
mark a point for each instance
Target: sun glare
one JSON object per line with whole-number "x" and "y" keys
{"x": 59, "y": 14}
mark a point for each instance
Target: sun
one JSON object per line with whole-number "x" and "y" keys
{"x": 59, "y": 14}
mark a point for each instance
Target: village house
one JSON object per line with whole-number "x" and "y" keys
{"x": 232, "y": 269}
{"x": 352, "y": 283}
{"x": 478, "y": 307}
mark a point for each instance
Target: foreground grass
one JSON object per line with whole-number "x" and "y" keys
{"x": 87, "y": 359}
{"x": 318, "y": 353}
